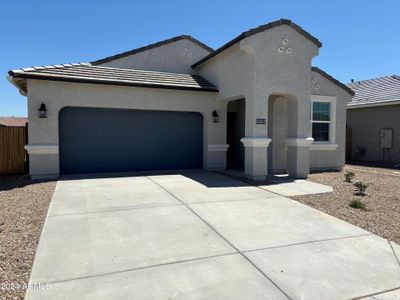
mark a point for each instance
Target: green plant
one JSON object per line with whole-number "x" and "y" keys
{"x": 349, "y": 176}
{"x": 358, "y": 204}
{"x": 361, "y": 187}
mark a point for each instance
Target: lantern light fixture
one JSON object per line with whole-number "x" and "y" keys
{"x": 42, "y": 112}
{"x": 215, "y": 116}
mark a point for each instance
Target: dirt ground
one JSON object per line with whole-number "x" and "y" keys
{"x": 382, "y": 199}
{"x": 23, "y": 208}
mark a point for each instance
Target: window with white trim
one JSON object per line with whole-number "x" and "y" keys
{"x": 321, "y": 121}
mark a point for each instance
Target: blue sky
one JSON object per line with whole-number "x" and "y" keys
{"x": 361, "y": 37}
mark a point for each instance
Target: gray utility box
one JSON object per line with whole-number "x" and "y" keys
{"x": 386, "y": 138}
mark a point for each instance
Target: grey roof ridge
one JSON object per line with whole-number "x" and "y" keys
{"x": 151, "y": 46}
{"x": 255, "y": 30}
{"x": 394, "y": 76}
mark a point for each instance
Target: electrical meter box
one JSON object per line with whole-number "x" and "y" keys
{"x": 386, "y": 138}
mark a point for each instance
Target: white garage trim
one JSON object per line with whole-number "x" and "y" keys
{"x": 223, "y": 147}
{"x": 42, "y": 149}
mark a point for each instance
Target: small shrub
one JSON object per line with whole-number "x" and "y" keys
{"x": 349, "y": 176}
{"x": 361, "y": 187}
{"x": 358, "y": 204}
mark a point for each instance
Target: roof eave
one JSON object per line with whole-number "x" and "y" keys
{"x": 111, "y": 82}
{"x": 17, "y": 83}
{"x": 372, "y": 104}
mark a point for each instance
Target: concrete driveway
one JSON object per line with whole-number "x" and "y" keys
{"x": 200, "y": 235}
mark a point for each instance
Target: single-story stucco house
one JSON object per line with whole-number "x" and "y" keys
{"x": 373, "y": 117}
{"x": 256, "y": 102}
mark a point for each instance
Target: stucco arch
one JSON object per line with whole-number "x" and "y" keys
{"x": 282, "y": 124}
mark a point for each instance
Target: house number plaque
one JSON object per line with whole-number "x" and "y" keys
{"x": 260, "y": 121}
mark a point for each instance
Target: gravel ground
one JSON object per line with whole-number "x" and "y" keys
{"x": 23, "y": 208}
{"x": 382, "y": 214}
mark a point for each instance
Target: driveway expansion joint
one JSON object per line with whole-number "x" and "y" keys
{"x": 221, "y": 236}
{"x": 113, "y": 210}
{"x": 376, "y": 294}
{"x": 233, "y": 200}
{"x": 309, "y": 242}
{"x": 394, "y": 253}
{"x": 138, "y": 268}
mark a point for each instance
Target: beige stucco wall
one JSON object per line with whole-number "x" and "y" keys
{"x": 331, "y": 159}
{"x": 366, "y": 124}
{"x": 58, "y": 95}
{"x": 270, "y": 64}
{"x": 176, "y": 57}
{"x": 257, "y": 68}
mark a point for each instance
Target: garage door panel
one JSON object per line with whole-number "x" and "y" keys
{"x": 111, "y": 140}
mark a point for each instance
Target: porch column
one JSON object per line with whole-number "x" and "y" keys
{"x": 298, "y": 156}
{"x": 256, "y": 167}
{"x": 256, "y": 140}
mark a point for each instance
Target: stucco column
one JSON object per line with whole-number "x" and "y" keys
{"x": 298, "y": 156}
{"x": 256, "y": 141}
{"x": 256, "y": 163}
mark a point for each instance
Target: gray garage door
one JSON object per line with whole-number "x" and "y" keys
{"x": 113, "y": 140}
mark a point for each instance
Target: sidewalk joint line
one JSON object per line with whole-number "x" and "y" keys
{"x": 114, "y": 210}
{"x": 394, "y": 252}
{"x": 309, "y": 242}
{"x": 221, "y": 236}
{"x": 139, "y": 268}
{"x": 376, "y": 294}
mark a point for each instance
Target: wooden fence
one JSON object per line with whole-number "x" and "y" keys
{"x": 13, "y": 157}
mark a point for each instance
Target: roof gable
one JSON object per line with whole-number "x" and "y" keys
{"x": 152, "y": 46}
{"x": 258, "y": 29}
{"x": 333, "y": 80}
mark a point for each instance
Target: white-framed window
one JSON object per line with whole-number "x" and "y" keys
{"x": 323, "y": 119}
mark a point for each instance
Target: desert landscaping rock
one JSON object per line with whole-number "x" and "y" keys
{"x": 23, "y": 208}
{"x": 382, "y": 214}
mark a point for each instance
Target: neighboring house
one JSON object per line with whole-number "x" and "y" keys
{"x": 178, "y": 104}
{"x": 374, "y": 119}
{"x": 13, "y": 121}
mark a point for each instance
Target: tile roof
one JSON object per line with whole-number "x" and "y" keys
{"x": 151, "y": 46}
{"x": 87, "y": 73}
{"x": 375, "y": 91}
{"x": 258, "y": 29}
{"x": 13, "y": 121}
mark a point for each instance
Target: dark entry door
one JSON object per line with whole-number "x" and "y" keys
{"x": 114, "y": 140}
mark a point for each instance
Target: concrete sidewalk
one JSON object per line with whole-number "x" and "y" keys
{"x": 199, "y": 235}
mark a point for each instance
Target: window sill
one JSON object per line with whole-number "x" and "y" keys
{"x": 323, "y": 146}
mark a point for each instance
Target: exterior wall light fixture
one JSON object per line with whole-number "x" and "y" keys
{"x": 42, "y": 112}
{"x": 215, "y": 116}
